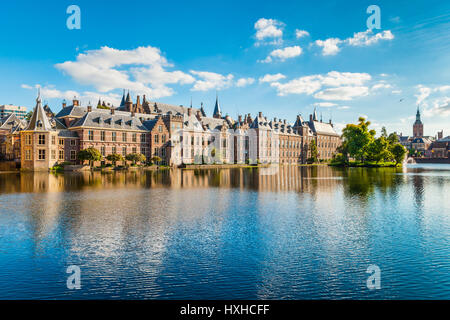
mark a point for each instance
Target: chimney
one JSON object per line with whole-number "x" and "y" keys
{"x": 260, "y": 114}
{"x": 112, "y": 110}
{"x": 76, "y": 102}
{"x": 189, "y": 112}
{"x": 284, "y": 121}
{"x": 89, "y": 108}
{"x": 275, "y": 119}
{"x": 440, "y": 134}
{"x": 240, "y": 119}
{"x": 132, "y": 113}
{"x": 64, "y": 104}
{"x": 310, "y": 118}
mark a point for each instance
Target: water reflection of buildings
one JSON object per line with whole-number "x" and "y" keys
{"x": 285, "y": 178}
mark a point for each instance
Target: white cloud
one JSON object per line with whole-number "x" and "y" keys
{"x": 301, "y": 33}
{"x": 342, "y": 93}
{"x": 211, "y": 80}
{"x": 329, "y": 46}
{"x": 396, "y": 91}
{"x": 26, "y": 86}
{"x": 313, "y": 83}
{"x": 344, "y": 107}
{"x": 269, "y": 28}
{"x": 283, "y": 54}
{"x": 424, "y": 92}
{"x": 243, "y": 82}
{"x": 271, "y": 77}
{"x": 140, "y": 70}
{"x": 50, "y": 92}
{"x": 325, "y": 104}
{"x": 303, "y": 85}
{"x": 366, "y": 38}
{"x": 381, "y": 85}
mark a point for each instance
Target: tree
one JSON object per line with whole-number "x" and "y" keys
{"x": 357, "y": 138}
{"x": 155, "y": 159}
{"x": 135, "y": 157}
{"x": 313, "y": 149}
{"x": 378, "y": 149}
{"x": 384, "y": 132}
{"x": 393, "y": 138}
{"x": 90, "y": 154}
{"x": 28, "y": 115}
{"x": 114, "y": 157}
{"x": 398, "y": 151}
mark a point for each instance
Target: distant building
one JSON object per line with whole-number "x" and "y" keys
{"x": 418, "y": 126}
{"x": 441, "y": 148}
{"x": 7, "y": 109}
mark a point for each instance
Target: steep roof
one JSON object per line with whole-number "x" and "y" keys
{"x": 39, "y": 120}
{"x": 322, "y": 128}
{"x": 106, "y": 120}
{"x": 217, "y": 111}
{"x": 9, "y": 122}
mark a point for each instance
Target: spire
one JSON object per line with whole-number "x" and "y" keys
{"x": 217, "y": 112}
{"x": 315, "y": 115}
{"x": 191, "y": 101}
{"x": 128, "y": 99}
{"x": 122, "y": 103}
{"x": 39, "y": 120}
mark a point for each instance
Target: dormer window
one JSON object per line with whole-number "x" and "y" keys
{"x": 39, "y": 124}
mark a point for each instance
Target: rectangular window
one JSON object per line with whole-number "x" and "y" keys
{"x": 134, "y": 150}
{"x": 160, "y": 128}
{"x": 53, "y": 154}
{"x": 102, "y": 135}
{"x": 103, "y": 150}
{"x": 124, "y": 151}
{"x": 41, "y": 140}
{"x": 114, "y": 136}
{"x": 90, "y": 135}
{"x": 143, "y": 137}
{"x": 61, "y": 142}
{"x": 28, "y": 154}
{"x": 28, "y": 139}
{"x": 73, "y": 142}
{"x": 124, "y": 136}
{"x": 163, "y": 138}
{"x": 41, "y": 154}
{"x": 113, "y": 149}
{"x": 156, "y": 138}
{"x": 53, "y": 140}
{"x": 61, "y": 154}
{"x": 73, "y": 155}
{"x": 134, "y": 137}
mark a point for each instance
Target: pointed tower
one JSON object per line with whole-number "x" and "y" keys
{"x": 122, "y": 103}
{"x": 217, "y": 112}
{"x": 39, "y": 120}
{"x": 38, "y": 150}
{"x": 418, "y": 125}
{"x": 315, "y": 115}
{"x": 128, "y": 103}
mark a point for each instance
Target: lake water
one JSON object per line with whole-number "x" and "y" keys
{"x": 269, "y": 233}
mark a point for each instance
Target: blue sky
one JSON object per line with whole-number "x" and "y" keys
{"x": 256, "y": 54}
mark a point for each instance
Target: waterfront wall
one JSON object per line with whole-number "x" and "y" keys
{"x": 9, "y": 166}
{"x": 432, "y": 160}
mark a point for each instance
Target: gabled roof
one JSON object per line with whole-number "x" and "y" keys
{"x": 322, "y": 128}
{"x": 39, "y": 120}
{"x": 9, "y": 122}
{"x": 260, "y": 123}
{"x": 72, "y": 112}
{"x": 213, "y": 123}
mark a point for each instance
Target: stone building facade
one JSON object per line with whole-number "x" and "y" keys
{"x": 177, "y": 134}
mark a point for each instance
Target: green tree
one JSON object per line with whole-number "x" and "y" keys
{"x": 378, "y": 149}
{"x": 114, "y": 157}
{"x": 135, "y": 157}
{"x": 313, "y": 150}
{"x": 155, "y": 159}
{"x": 384, "y": 132}
{"x": 90, "y": 154}
{"x": 28, "y": 115}
{"x": 398, "y": 152}
{"x": 357, "y": 138}
{"x": 393, "y": 138}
